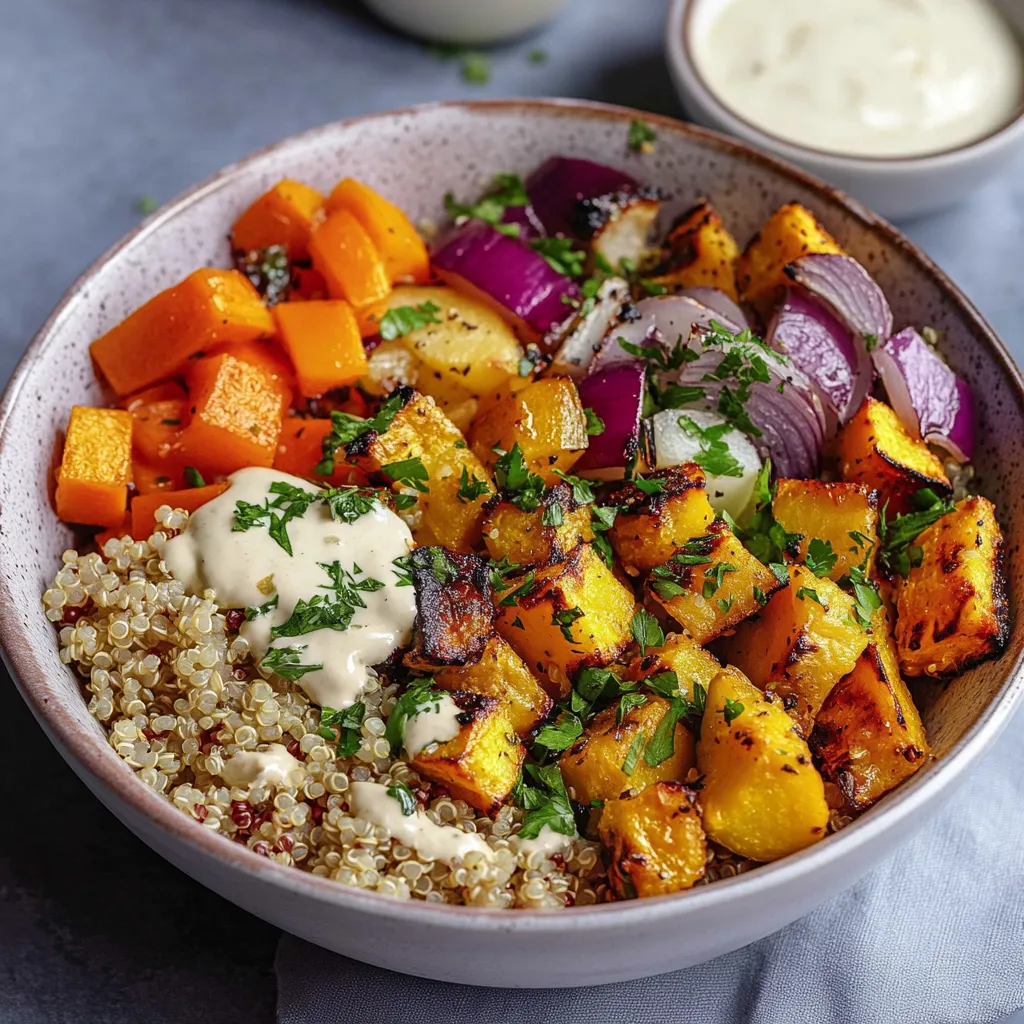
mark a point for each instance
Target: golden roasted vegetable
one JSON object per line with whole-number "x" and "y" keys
{"x": 952, "y": 610}
{"x": 875, "y": 449}
{"x": 454, "y": 610}
{"x": 501, "y": 673}
{"x": 700, "y": 252}
{"x": 690, "y": 662}
{"x": 712, "y": 584}
{"x": 614, "y": 756}
{"x": 803, "y": 642}
{"x": 844, "y": 516}
{"x": 482, "y": 763}
{"x": 868, "y": 736}
{"x": 651, "y": 528}
{"x": 790, "y": 232}
{"x": 544, "y": 534}
{"x": 762, "y": 797}
{"x": 655, "y": 840}
{"x": 567, "y": 616}
{"x": 545, "y": 419}
{"x": 424, "y": 454}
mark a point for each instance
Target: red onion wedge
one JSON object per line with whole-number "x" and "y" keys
{"x": 514, "y": 279}
{"x": 576, "y": 341}
{"x": 557, "y": 186}
{"x": 824, "y": 349}
{"x": 616, "y": 394}
{"x": 848, "y": 290}
{"x": 718, "y": 302}
{"x": 929, "y": 398}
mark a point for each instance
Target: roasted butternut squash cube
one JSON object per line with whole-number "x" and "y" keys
{"x": 545, "y": 419}
{"x": 804, "y": 641}
{"x": 842, "y": 515}
{"x": 455, "y": 614}
{"x": 567, "y": 616}
{"x": 875, "y": 449}
{"x": 343, "y": 252}
{"x": 682, "y": 655}
{"x": 868, "y": 736}
{"x": 324, "y": 343}
{"x": 952, "y": 609}
{"x": 482, "y": 763}
{"x": 790, "y": 232}
{"x": 92, "y": 482}
{"x": 421, "y": 439}
{"x": 300, "y": 451}
{"x": 655, "y": 841}
{"x": 762, "y": 797}
{"x": 284, "y": 215}
{"x": 611, "y": 757}
{"x": 701, "y": 252}
{"x": 651, "y": 528}
{"x": 712, "y": 584}
{"x": 544, "y": 534}
{"x": 207, "y": 308}
{"x": 501, "y": 673}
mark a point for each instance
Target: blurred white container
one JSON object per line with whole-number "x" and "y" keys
{"x": 473, "y": 22}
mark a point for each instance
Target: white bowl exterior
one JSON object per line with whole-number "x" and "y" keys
{"x": 472, "y": 22}
{"x": 413, "y": 158}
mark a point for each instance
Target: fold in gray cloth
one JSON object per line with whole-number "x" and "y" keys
{"x": 934, "y": 936}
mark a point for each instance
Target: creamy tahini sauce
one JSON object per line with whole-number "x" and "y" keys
{"x": 548, "y": 842}
{"x": 371, "y": 802}
{"x": 862, "y": 77}
{"x": 270, "y": 767}
{"x": 435, "y": 722}
{"x": 248, "y": 568}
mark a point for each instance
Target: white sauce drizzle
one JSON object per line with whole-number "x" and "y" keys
{"x": 547, "y": 841}
{"x": 261, "y": 768}
{"x": 247, "y": 568}
{"x": 370, "y": 801}
{"x": 879, "y": 78}
{"x": 435, "y": 722}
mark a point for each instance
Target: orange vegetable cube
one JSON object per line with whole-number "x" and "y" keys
{"x": 209, "y": 307}
{"x": 159, "y": 414}
{"x": 92, "y": 482}
{"x": 300, "y": 450}
{"x": 144, "y": 506}
{"x": 283, "y": 216}
{"x": 343, "y": 252}
{"x": 168, "y": 475}
{"x": 268, "y": 356}
{"x": 324, "y": 343}
{"x": 237, "y": 413}
{"x": 398, "y": 242}
{"x": 307, "y": 284}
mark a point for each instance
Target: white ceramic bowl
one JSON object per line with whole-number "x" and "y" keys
{"x": 414, "y": 157}
{"x": 894, "y": 187}
{"x": 472, "y": 22}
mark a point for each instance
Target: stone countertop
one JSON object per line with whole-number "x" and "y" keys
{"x": 116, "y": 101}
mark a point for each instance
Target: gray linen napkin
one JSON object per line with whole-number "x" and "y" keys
{"x": 933, "y": 936}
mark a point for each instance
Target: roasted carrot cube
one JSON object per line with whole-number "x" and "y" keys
{"x": 92, "y": 482}
{"x": 344, "y": 253}
{"x": 405, "y": 255}
{"x": 144, "y": 506}
{"x": 300, "y": 451}
{"x": 209, "y": 307}
{"x": 324, "y": 343}
{"x": 238, "y": 410}
{"x": 284, "y": 215}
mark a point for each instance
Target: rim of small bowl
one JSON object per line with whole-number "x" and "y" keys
{"x": 678, "y": 43}
{"x": 92, "y": 752}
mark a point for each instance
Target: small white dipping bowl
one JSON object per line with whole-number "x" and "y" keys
{"x": 473, "y": 22}
{"x": 896, "y": 187}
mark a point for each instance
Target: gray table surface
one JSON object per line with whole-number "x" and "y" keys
{"x": 108, "y": 101}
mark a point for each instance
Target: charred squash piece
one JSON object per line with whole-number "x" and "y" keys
{"x": 542, "y": 535}
{"x": 682, "y": 655}
{"x": 617, "y": 225}
{"x": 700, "y": 251}
{"x": 284, "y": 215}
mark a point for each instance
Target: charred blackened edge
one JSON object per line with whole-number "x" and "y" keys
{"x": 677, "y": 480}
{"x": 360, "y": 446}
{"x": 589, "y": 216}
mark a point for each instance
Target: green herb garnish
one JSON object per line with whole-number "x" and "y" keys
{"x": 403, "y": 320}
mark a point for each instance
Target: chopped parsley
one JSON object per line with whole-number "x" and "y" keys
{"x": 560, "y": 734}
{"x": 263, "y": 609}
{"x": 284, "y": 661}
{"x": 331, "y": 611}
{"x": 641, "y": 136}
{"x": 595, "y": 425}
{"x": 649, "y": 486}
{"x": 346, "y": 428}
{"x": 661, "y": 745}
{"x": 471, "y": 488}
{"x": 441, "y": 566}
{"x": 545, "y": 800}
{"x": 561, "y": 255}
{"x": 523, "y": 487}
{"x": 476, "y": 69}
{"x": 715, "y": 456}
{"x": 193, "y": 477}
{"x": 289, "y": 502}
{"x": 500, "y": 570}
{"x": 810, "y": 592}
{"x": 732, "y": 710}
{"x": 897, "y": 553}
{"x": 820, "y": 558}
{"x": 401, "y": 792}
{"x": 343, "y": 727}
{"x": 511, "y": 599}
{"x": 627, "y": 702}
{"x": 508, "y": 190}
{"x": 403, "y": 570}
{"x": 713, "y": 578}
{"x": 564, "y": 620}
{"x": 553, "y": 515}
{"x": 765, "y": 538}
{"x": 410, "y": 472}
{"x": 870, "y": 342}
{"x": 633, "y": 754}
{"x": 403, "y": 320}
{"x": 537, "y": 56}
{"x": 582, "y": 492}
{"x": 347, "y": 504}
{"x": 146, "y": 205}
{"x": 417, "y": 696}
{"x": 646, "y": 630}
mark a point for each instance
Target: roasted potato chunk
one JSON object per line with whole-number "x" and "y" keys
{"x": 679, "y": 654}
{"x": 951, "y": 610}
{"x": 845, "y": 516}
{"x": 482, "y": 763}
{"x": 651, "y": 528}
{"x": 545, "y": 419}
{"x": 567, "y": 616}
{"x": 454, "y": 610}
{"x": 868, "y": 736}
{"x": 700, "y": 251}
{"x": 762, "y": 797}
{"x": 875, "y": 449}
{"x": 501, "y": 673}
{"x": 421, "y": 438}
{"x": 803, "y": 642}
{"x": 712, "y": 584}
{"x": 655, "y": 840}
{"x": 545, "y": 534}
{"x": 616, "y": 224}
{"x": 790, "y": 232}
{"x": 612, "y": 757}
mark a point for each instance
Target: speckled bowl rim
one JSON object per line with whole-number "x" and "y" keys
{"x": 679, "y": 50}
{"x": 91, "y": 751}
